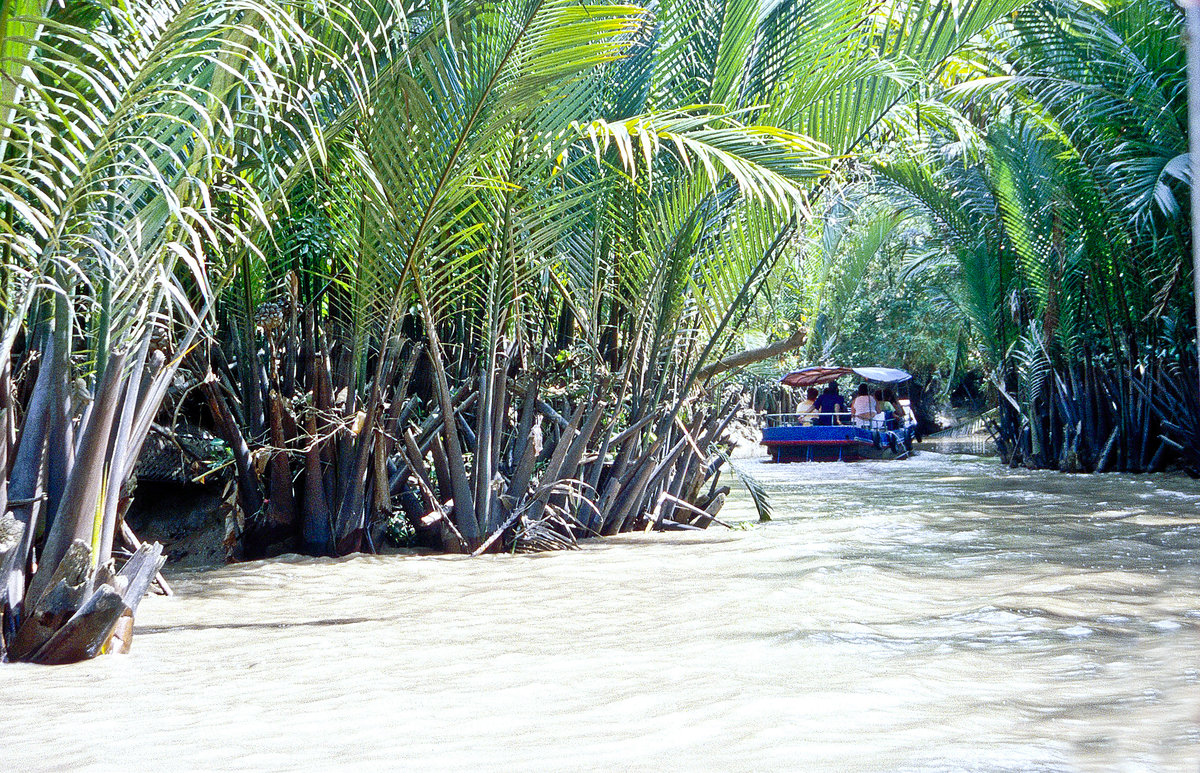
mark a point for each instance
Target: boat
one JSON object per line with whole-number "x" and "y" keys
{"x": 788, "y": 439}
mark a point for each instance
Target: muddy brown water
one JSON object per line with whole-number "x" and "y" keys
{"x": 939, "y": 614}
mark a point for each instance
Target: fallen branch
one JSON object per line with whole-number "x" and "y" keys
{"x": 656, "y": 518}
{"x": 136, "y": 544}
{"x": 750, "y": 356}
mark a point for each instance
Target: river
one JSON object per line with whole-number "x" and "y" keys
{"x": 939, "y": 614}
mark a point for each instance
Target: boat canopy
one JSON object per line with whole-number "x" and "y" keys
{"x": 819, "y": 374}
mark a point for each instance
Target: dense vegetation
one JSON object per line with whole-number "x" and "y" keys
{"x": 1034, "y": 203}
{"x": 482, "y": 269}
{"x": 1063, "y": 223}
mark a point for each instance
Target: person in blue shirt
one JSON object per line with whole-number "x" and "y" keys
{"x": 828, "y": 406}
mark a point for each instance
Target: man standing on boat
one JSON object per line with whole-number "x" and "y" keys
{"x": 828, "y": 405}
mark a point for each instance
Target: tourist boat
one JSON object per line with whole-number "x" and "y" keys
{"x": 789, "y": 440}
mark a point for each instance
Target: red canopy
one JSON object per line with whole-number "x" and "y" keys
{"x": 821, "y": 374}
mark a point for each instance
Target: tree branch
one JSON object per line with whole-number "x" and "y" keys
{"x": 751, "y": 356}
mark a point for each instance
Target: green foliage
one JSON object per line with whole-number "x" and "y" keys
{"x": 1057, "y": 221}
{"x": 758, "y": 493}
{"x": 398, "y": 530}
{"x": 889, "y": 316}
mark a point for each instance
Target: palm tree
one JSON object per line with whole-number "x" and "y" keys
{"x": 122, "y": 128}
{"x": 1076, "y": 292}
{"x": 464, "y": 225}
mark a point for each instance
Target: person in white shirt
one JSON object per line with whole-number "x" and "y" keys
{"x": 806, "y": 412}
{"x": 864, "y": 407}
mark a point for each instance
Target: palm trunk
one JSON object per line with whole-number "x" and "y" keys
{"x": 464, "y": 501}
{"x": 77, "y": 518}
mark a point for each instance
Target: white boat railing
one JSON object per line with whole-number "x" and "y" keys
{"x": 787, "y": 419}
{"x": 806, "y": 419}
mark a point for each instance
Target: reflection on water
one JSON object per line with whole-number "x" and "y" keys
{"x": 975, "y": 444}
{"x": 936, "y": 614}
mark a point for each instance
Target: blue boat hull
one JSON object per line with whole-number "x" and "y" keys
{"x": 795, "y": 443}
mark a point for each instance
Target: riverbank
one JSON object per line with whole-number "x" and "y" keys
{"x": 940, "y": 613}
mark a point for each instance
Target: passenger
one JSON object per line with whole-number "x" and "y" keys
{"x": 887, "y": 408}
{"x": 828, "y": 406}
{"x": 911, "y": 413}
{"x": 898, "y": 414}
{"x": 863, "y": 408}
{"x": 806, "y": 413}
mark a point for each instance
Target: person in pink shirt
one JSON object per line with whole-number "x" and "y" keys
{"x": 864, "y": 407}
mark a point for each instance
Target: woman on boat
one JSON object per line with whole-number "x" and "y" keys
{"x": 864, "y": 407}
{"x": 806, "y": 413}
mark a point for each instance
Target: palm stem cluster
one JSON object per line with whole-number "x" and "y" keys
{"x": 460, "y": 263}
